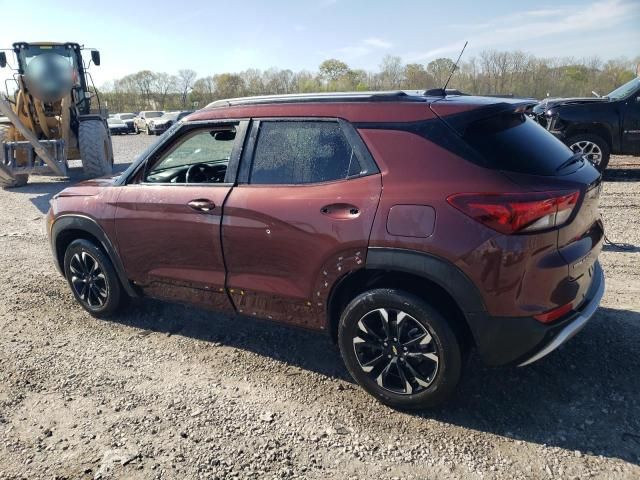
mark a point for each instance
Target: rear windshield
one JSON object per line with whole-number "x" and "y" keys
{"x": 515, "y": 143}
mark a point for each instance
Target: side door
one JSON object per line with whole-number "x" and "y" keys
{"x": 168, "y": 215}
{"x": 299, "y": 218}
{"x": 631, "y": 125}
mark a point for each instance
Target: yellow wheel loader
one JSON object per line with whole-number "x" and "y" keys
{"x": 53, "y": 116}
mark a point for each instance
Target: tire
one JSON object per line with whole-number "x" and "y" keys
{"x": 149, "y": 132}
{"x": 431, "y": 349}
{"x": 104, "y": 295}
{"x": 95, "y": 148}
{"x": 20, "y": 179}
{"x": 591, "y": 145}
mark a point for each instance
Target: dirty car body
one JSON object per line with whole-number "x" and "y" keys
{"x": 410, "y": 228}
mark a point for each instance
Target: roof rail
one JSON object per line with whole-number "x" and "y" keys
{"x": 385, "y": 96}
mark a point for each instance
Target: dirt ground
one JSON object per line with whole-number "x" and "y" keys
{"x": 166, "y": 391}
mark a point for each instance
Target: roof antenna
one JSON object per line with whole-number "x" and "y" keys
{"x": 455, "y": 67}
{"x": 442, "y": 92}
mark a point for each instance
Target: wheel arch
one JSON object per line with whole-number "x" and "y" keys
{"x": 68, "y": 228}
{"x": 591, "y": 129}
{"x": 440, "y": 282}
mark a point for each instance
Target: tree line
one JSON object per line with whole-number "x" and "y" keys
{"x": 490, "y": 73}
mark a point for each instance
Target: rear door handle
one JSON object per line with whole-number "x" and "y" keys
{"x": 202, "y": 205}
{"x": 340, "y": 210}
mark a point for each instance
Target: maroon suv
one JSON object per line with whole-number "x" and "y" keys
{"x": 410, "y": 228}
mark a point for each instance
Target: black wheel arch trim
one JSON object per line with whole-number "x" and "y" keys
{"x": 444, "y": 274}
{"x": 89, "y": 225}
{"x": 435, "y": 269}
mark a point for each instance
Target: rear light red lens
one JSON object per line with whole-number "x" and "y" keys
{"x": 556, "y": 313}
{"x": 517, "y": 212}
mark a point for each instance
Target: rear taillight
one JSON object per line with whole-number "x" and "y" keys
{"x": 517, "y": 212}
{"x": 556, "y": 313}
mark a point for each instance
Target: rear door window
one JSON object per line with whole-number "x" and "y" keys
{"x": 515, "y": 143}
{"x": 301, "y": 152}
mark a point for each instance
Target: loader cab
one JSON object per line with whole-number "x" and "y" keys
{"x": 72, "y": 52}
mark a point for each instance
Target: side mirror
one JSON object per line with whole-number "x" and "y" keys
{"x": 224, "y": 135}
{"x": 95, "y": 57}
{"x": 3, "y": 59}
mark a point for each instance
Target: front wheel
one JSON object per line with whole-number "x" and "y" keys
{"x": 399, "y": 349}
{"x": 92, "y": 279}
{"x": 593, "y": 147}
{"x": 95, "y": 148}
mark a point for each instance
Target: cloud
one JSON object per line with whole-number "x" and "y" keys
{"x": 600, "y": 15}
{"x": 376, "y": 43}
{"x": 364, "y": 47}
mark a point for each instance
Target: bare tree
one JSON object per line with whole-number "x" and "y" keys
{"x": 392, "y": 72}
{"x": 163, "y": 85}
{"x": 492, "y": 72}
{"x": 186, "y": 78}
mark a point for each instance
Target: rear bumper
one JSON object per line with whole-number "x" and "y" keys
{"x": 524, "y": 340}
{"x": 577, "y": 322}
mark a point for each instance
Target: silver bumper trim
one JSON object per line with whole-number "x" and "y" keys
{"x": 574, "y": 327}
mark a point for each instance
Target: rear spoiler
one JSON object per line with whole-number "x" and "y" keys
{"x": 459, "y": 119}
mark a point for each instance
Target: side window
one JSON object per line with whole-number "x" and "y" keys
{"x": 200, "y": 156}
{"x": 298, "y": 152}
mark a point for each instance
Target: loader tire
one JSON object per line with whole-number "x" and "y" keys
{"x": 95, "y": 148}
{"x": 19, "y": 180}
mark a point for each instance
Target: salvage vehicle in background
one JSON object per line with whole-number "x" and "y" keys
{"x": 274, "y": 207}
{"x": 54, "y": 115}
{"x": 117, "y": 126}
{"x": 160, "y": 125}
{"x": 127, "y": 118}
{"x": 598, "y": 126}
{"x": 141, "y": 121}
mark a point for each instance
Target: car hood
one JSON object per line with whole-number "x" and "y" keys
{"x": 554, "y": 102}
{"x": 88, "y": 188}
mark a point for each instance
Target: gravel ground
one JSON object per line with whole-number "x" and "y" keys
{"x": 166, "y": 391}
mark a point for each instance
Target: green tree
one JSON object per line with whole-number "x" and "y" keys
{"x": 439, "y": 69}
{"x": 331, "y": 70}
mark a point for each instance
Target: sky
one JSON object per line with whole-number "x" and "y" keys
{"x": 214, "y": 37}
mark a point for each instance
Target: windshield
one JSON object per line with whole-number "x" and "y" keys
{"x": 126, "y": 116}
{"x": 625, "y": 90}
{"x": 147, "y": 151}
{"x": 170, "y": 116}
{"x": 28, "y": 53}
{"x": 114, "y": 121}
{"x": 153, "y": 114}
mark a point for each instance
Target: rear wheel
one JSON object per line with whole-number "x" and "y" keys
{"x": 593, "y": 147}
{"x": 19, "y": 180}
{"x": 92, "y": 278}
{"x": 95, "y": 148}
{"x": 399, "y": 349}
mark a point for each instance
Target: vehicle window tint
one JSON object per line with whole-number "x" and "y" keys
{"x": 295, "y": 152}
{"x": 198, "y": 157}
{"x": 515, "y": 143}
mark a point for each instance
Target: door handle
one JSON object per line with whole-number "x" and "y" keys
{"x": 340, "y": 210}
{"x": 202, "y": 205}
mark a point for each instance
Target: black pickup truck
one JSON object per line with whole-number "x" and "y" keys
{"x": 596, "y": 127}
